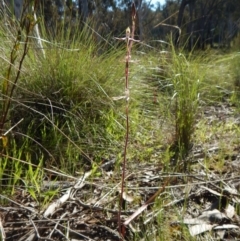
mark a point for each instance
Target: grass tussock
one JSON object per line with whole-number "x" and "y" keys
{"x": 63, "y": 101}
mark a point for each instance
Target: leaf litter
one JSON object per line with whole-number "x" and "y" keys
{"x": 206, "y": 201}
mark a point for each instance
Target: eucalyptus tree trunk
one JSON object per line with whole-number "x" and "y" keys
{"x": 140, "y": 18}
{"x": 191, "y": 25}
{"x": 13, "y": 7}
{"x": 84, "y": 9}
{"x": 183, "y": 4}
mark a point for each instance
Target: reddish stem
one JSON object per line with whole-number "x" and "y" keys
{"x": 128, "y": 57}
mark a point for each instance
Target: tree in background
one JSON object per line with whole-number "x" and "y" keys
{"x": 203, "y": 23}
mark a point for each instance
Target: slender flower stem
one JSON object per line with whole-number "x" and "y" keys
{"x": 129, "y": 40}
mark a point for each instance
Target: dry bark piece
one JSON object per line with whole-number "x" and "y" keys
{"x": 200, "y": 228}
{"x": 2, "y": 232}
